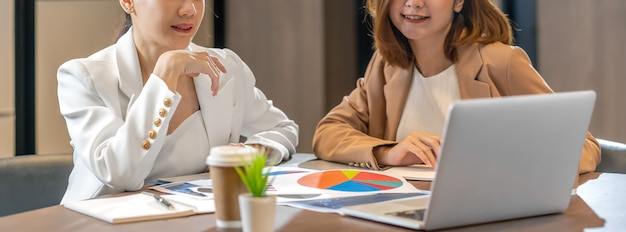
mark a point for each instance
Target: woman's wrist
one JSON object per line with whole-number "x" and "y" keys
{"x": 166, "y": 69}
{"x": 380, "y": 154}
{"x": 262, "y": 149}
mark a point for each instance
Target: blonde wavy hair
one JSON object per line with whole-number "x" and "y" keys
{"x": 480, "y": 21}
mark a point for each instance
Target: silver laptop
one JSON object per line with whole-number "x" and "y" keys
{"x": 500, "y": 158}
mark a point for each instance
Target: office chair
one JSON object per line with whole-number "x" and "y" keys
{"x": 33, "y": 181}
{"x": 613, "y": 157}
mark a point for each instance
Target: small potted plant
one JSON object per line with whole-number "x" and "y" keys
{"x": 257, "y": 209}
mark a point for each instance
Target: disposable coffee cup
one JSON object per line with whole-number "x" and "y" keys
{"x": 227, "y": 184}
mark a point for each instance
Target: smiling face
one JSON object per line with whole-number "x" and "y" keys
{"x": 423, "y": 19}
{"x": 166, "y": 24}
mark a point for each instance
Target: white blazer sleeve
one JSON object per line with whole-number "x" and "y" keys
{"x": 118, "y": 146}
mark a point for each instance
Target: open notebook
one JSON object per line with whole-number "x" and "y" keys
{"x": 139, "y": 207}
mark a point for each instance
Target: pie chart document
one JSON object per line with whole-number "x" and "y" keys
{"x": 298, "y": 184}
{"x": 329, "y": 190}
{"x": 350, "y": 181}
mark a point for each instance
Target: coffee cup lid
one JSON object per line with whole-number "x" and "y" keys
{"x": 230, "y": 156}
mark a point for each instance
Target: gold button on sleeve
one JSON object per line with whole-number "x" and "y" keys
{"x": 152, "y": 134}
{"x": 167, "y": 102}
{"x": 162, "y": 112}
{"x": 157, "y": 122}
{"x": 145, "y": 144}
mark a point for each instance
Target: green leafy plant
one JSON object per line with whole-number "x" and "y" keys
{"x": 252, "y": 175}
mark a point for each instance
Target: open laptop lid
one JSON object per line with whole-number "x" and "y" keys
{"x": 509, "y": 157}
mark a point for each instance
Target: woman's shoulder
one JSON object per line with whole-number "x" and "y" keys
{"x": 87, "y": 70}
{"x": 498, "y": 51}
{"x": 495, "y": 46}
{"x": 497, "y": 58}
{"x": 106, "y": 55}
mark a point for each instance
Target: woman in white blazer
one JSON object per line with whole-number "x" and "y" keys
{"x": 153, "y": 104}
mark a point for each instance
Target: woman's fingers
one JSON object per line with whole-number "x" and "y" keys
{"x": 217, "y": 68}
{"x": 217, "y": 63}
{"x": 426, "y": 154}
{"x": 416, "y": 148}
{"x": 209, "y": 65}
{"x": 432, "y": 144}
{"x": 428, "y": 146}
{"x": 215, "y": 84}
{"x": 176, "y": 63}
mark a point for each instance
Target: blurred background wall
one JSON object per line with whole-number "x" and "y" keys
{"x": 581, "y": 46}
{"x": 7, "y": 77}
{"x": 302, "y": 52}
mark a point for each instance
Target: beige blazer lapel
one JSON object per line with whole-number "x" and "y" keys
{"x": 468, "y": 67}
{"x": 396, "y": 93}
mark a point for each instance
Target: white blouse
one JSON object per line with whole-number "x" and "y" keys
{"x": 184, "y": 152}
{"x": 427, "y": 105}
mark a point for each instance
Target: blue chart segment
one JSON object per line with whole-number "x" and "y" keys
{"x": 276, "y": 173}
{"x": 350, "y": 181}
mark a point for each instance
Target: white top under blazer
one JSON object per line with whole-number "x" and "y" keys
{"x": 118, "y": 126}
{"x": 427, "y": 105}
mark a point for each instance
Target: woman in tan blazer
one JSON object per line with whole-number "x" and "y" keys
{"x": 428, "y": 55}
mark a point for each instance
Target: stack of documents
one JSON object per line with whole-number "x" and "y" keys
{"x": 322, "y": 191}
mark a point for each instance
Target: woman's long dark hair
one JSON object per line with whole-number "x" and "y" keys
{"x": 125, "y": 26}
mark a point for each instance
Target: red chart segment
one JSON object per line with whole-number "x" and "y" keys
{"x": 350, "y": 181}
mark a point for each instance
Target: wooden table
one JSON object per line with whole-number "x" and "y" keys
{"x": 599, "y": 206}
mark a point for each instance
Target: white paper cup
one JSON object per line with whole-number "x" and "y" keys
{"x": 227, "y": 184}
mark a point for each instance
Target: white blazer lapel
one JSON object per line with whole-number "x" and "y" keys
{"x": 130, "y": 81}
{"x": 217, "y": 111}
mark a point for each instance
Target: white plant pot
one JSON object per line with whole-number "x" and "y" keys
{"x": 257, "y": 213}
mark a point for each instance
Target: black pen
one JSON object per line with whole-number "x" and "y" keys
{"x": 161, "y": 200}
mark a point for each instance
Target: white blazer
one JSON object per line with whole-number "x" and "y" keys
{"x": 109, "y": 113}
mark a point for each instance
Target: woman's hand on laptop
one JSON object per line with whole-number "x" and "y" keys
{"x": 417, "y": 148}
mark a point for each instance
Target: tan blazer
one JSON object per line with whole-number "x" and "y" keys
{"x": 370, "y": 115}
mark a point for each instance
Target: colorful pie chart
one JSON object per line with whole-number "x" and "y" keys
{"x": 350, "y": 181}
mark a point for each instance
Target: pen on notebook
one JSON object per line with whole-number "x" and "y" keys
{"x": 161, "y": 200}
